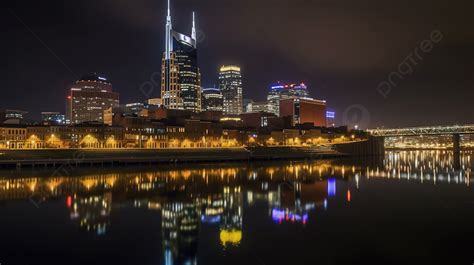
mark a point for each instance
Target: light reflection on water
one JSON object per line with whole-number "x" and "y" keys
{"x": 212, "y": 203}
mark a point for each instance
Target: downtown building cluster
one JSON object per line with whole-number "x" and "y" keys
{"x": 185, "y": 115}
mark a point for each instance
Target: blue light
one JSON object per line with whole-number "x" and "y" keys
{"x": 210, "y": 219}
{"x": 330, "y": 114}
{"x": 331, "y": 187}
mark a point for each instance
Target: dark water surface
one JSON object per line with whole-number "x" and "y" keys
{"x": 411, "y": 208}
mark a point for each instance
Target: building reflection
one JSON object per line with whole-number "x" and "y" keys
{"x": 217, "y": 196}
{"x": 180, "y": 227}
{"x": 231, "y": 220}
{"x": 91, "y": 212}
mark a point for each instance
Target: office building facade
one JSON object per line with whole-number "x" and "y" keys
{"x": 10, "y": 116}
{"x": 89, "y": 98}
{"x": 304, "y": 110}
{"x": 284, "y": 91}
{"x": 258, "y": 106}
{"x": 212, "y": 99}
{"x": 53, "y": 118}
{"x": 230, "y": 84}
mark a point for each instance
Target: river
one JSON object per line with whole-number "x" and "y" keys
{"x": 409, "y": 207}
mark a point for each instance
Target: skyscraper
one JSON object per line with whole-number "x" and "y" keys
{"x": 230, "y": 84}
{"x": 89, "y": 98}
{"x": 180, "y": 75}
{"x": 284, "y": 91}
{"x": 211, "y": 99}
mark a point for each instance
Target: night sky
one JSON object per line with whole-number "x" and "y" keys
{"x": 342, "y": 49}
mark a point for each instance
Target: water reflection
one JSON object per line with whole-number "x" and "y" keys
{"x": 435, "y": 166}
{"x": 91, "y": 212}
{"x": 188, "y": 198}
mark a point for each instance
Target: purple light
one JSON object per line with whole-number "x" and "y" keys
{"x": 302, "y": 86}
{"x": 331, "y": 187}
{"x": 289, "y": 86}
{"x": 278, "y": 215}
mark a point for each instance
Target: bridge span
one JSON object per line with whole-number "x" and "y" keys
{"x": 455, "y": 130}
{"x": 417, "y": 131}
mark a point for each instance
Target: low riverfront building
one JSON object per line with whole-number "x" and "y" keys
{"x": 170, "y": 129}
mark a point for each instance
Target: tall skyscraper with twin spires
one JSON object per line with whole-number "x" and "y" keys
{"x": 180, "y": 75}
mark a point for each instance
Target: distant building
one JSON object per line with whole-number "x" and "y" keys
{"x": 230, "y": 84}
{"x": 284, "y": 91}
{"x": 304, "y": 111}
{"x": 181, "y": 77}
{"x": 10, "y": 116}
{"x": 89, "y": 98}
{"x": 261, "y": 106}
{"x": 331, "y": 118}
{"x": 212, "y": 99}
{"x": 136, "y": 108}
{"x": 53, "y": 118}
{"x": 155, "y": 101}
{"x": 256, "y": 119}
{"x": 245, "y": 103}
{"x": 118, "y": 110}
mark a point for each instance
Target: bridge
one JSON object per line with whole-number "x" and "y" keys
{"x": 417, "y": 131}
{"x": 454, "y": 130}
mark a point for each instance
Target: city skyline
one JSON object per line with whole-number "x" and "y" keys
{"x": 349, "y": 79}
{"x": 181, "y": 132}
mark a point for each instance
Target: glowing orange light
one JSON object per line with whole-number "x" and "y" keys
{"x": 349, "y": 195}
{"x": 69, "y": 97}
{"x": 69, "y": 201}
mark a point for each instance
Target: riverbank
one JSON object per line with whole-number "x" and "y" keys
{"x": 118, "y": 157}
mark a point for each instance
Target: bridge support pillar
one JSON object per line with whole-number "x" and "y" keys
{"x": 457, "y": 151}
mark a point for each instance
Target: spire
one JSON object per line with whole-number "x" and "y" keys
{"x": 169, "y": 43}
{"x": 169, "y": 12}
{"x": 193, "y": 34}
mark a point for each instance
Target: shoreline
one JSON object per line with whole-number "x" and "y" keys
{"x": 68, "y": 158}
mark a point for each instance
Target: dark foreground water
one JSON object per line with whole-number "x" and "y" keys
{"x": 412, "y": 208}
